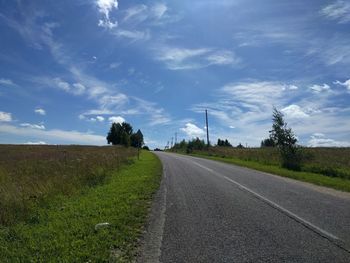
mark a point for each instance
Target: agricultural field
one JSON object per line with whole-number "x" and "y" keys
{"x": 52, "y": 198}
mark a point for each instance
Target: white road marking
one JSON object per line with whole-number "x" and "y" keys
{"x": 206, "y": 168}
{"x": 304, "y": 222}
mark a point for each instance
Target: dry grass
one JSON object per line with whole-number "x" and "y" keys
{"x": 30, "y": 175}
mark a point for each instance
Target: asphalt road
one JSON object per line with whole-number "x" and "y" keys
{"x": 207, "y": 211}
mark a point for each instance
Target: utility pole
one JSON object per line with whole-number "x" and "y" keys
{"x": 206, "y": 121}
{"x": 175, "y": 137}
{"x": 172, "y": 140}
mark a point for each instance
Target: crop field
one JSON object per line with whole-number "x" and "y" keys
{"x": 31, "y": 175}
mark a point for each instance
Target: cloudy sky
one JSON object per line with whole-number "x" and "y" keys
{"x": 70, "y": 68}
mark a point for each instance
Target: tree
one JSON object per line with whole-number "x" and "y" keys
{"x": 136, "y": 139}
{"x": 225, "y": 143}
{"x": 195, "y": 144}
{"x": 268, "y": 142}
{"x": 220, "y": 142}
{"x": 240, "y": 146}
{"x": 119, "y": 134}
{"x": 284, "y": 138}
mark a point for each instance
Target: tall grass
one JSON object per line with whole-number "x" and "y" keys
{"x": 31, "y": 175}
{"x": 333, "y": 162}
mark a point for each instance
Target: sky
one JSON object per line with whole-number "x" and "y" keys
{"x": 68, "y": 69}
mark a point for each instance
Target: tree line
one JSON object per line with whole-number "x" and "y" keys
{"x": 199, "y": 145}
{"x": 122, "y": 134}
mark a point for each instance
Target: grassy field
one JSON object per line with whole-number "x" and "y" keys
{"x": 322, "y": 166}
{"x": 60, "y": 224}
{"x": 332, "y": 162}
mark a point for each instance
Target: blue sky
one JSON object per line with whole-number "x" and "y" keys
{"x": 70, "y": 68}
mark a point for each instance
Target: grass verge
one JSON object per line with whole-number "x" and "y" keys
{"x": 64, "y": 231}
{"x": 317, "y": 179}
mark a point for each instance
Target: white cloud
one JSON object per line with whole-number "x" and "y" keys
{"x": 75, "y": 89}
{"x": 78, "y": 89}
{"x": 192, "y": 130}
{"x": 114, "y": 65}
{"x": 292, "y": 87}
{"x": 178, "y": 55}
{"x": 345, "y": 83}
{"x": 223, "y": 57}
{"x": 339, "y": 10}
{"x": 137, "y": 12}
{"x": 40, "y": 111}
{"x": 36, "y": 143}
{"x": 116, "y": 119}
{"x": 248, "y": 107}
{"x": 134, "y": 35}
{"x": 92, "y": 119}
{"x": 157, "y": 114}
{"x": 106, "y": 7}
{"x": 320, "y": 140}
{"x": 113, "y": 101}
{"x": 62, "y": 84}
{"x": 5, "y": 116}
{"x": 33, "y": 126}
{"x": 7, "y": 82}
{"x": 159, "y": 10}
{"x": 319, "y": 88}
{"x": 100, "y": 118}
{"x": 55, "y": 136}
{"x": 177, "y": 58}
{"x": 140, "y": 13}
{"x": 294, "y": 112}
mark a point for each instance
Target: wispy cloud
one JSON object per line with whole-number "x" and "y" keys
{"x": 140, "y": 13}
{"x": 33, "y": 126}
{"x": 133, "y": 35}
{"x": 320, "y": 88}
{"x": 56, "y": 135}
{"x": 320, "y": 140}
{"x": 159, "y": 10}
{"x": 176, "y": 58}
{"x": 345, "y": 83}
{"x": 6, "y": 82}
{"x": 74, "y": 88}
{"x": 247, "y": 106}
{"x": 105, "y": 7}
{"x": 339, "y": 11}
{"x": 137, "y": 12}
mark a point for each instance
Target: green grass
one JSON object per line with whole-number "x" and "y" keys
{"x": 64, "y": 229}
{"x": 32, "y": 174}
{"x": 332, "y": 162}
{"x": 318, "y": 179}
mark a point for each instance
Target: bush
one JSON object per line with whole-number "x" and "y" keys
{"x": 291, "y": 158}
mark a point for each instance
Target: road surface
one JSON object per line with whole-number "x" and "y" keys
{"x": 207, "y": 211}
